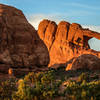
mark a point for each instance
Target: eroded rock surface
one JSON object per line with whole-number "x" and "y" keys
{"x": 65, "y": 41}
{"x": 86, "y": 61}
{"x": 20, "y": 45}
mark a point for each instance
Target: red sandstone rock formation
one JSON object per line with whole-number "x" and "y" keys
{"x": 65, "y": 41}
{"x": 20, "y": 45}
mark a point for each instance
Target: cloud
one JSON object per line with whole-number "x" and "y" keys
{"x": 92, "y": 27}
{"x": 35, "y": 19}
{"x": 71, "y": 16}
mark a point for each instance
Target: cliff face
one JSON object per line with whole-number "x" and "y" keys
{"x": 20, "y": 45}
{"x": 66, "y": 41}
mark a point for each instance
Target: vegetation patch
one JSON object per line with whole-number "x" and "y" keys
{"x": 51, "y": 85}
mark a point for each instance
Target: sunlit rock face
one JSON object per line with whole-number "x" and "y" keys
{"x": 66, "y": 41}
{"x": 20, "y": 45}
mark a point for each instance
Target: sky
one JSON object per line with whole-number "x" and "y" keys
{"x": 84, "y": 12}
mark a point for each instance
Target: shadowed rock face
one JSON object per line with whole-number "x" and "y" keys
{"x": 65, "y": 41}
{"x": 86, "y": 61}
{"x": 20, "y": 45}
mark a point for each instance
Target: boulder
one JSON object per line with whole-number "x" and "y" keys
{"x": 86, "y": 61}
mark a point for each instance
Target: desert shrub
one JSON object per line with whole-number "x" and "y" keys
{"x": 7, "y": 88}
{"x": 24, "y": 91}
{"x": 47, "y": 86}
{"x": 30, "y": 77}
{"x": 40, "y": 86}
{"x": 83, "y": 77}
{"x": 83, "y": 91}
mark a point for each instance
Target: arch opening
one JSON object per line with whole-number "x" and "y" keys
{"x": 94, "y": 44}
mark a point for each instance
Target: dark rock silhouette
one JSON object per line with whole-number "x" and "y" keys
{"x": 20, "y": 45}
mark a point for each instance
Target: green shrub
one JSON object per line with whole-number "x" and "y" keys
{"x": 7, "y": 88}
{"x": 48, "y": 86}
{"x": 40, "y": 86}
{"x": 83, "y": 91}
{"x": 24, "y": 92}
{"x": 83, "y": 77}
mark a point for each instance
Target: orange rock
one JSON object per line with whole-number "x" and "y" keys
{"x": 42, "y": 28}
{"x": 10, "y": 71}
{"x": 69, "y": 66}
{"x": 50, "y": 34}
{"x": 62, "y": 31}
{"x": 69, "y": 41}
{"x": 72, "y": 31}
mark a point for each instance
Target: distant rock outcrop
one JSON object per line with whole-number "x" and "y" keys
{"x": 20, "y": 45}
{"x": 86, "y": 61}
{"x": 65, "y": 41}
